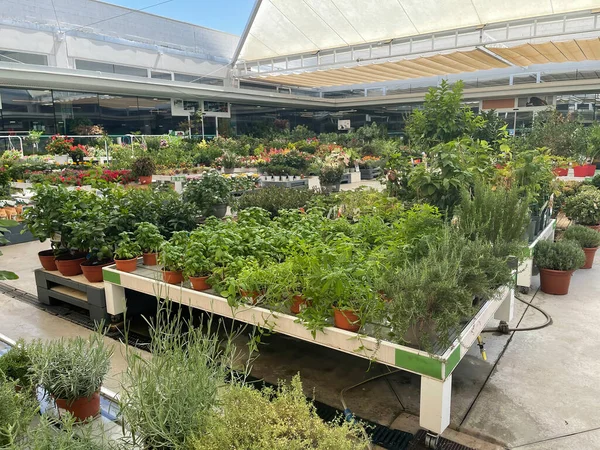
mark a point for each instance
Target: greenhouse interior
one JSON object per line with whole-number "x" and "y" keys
{"x": 377, "y": 220}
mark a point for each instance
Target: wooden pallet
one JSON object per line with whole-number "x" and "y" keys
{"x": 52, "y": 287}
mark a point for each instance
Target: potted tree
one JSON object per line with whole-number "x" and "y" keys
{"x": 211, "y": 194}
{"x": 588, "y": 239}
{"x": 127, "y": 252}
{"x": 584, "y": 207}
{"x": 149, "y": 238}
{"x": 557, "y": 261}
{"x": 143, "y": 168}
{"x": 71, "y": 371}
{"x": 59, "y": 146}
{"x": 197, "y": 267}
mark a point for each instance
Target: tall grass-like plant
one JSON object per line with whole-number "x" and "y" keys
{"x": 70, "y": 369}
{"x": 166, "y": 399}
{"x": 274, "y": 419}
{"x": 499, "y": 216}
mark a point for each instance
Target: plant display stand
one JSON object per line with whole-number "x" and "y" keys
{"x": 52, "y": 287}
{"x": 525, "y": 271}
{"x": 350, "y": 177}
{"x": 434, "y": 368}
{"x": 298, "y": 183}
{"x": 370, "y": 173}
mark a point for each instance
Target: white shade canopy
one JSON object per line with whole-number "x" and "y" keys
{"x": 289, "y": 27}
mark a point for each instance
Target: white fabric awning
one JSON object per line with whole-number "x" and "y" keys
{"x": 289, "y": 27}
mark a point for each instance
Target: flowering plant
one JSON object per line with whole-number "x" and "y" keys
{"x": 370, "y": 161}
{"x": 10, "y": 156}
{"x": 78, "y": 152}
{"x": 228, "y": 160}
{"x": 59, "y": 145}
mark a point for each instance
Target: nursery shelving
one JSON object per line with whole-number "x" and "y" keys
{"x": 434, "y": 368}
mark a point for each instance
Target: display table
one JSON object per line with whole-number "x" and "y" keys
{"x": 434, "y": 368}
{"x": 525, "y": 271}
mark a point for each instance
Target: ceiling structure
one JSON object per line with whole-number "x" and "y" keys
{"x": 333, "y": 43}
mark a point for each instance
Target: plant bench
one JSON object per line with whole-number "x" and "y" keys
{"x": 370, "y": 173}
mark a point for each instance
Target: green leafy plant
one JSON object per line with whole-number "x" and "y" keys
{"x": 196, "y": 264}
{"x": 331, "y": 173}
{"x": 127, "y": 248}
{"x": 5, "y": 224}
{"x": 15, "y": 365}
{"x": 143, "y": 167}
{"x": 274, "y": 199}
{"x": 172, "y": 256}
{"x": 584, "y": 207}
{"x": 584, "y": 236}
{"x": 148, "y": 237}
{"x": 561, "y": 255}
{"x": 211, "y": 190}
{"x": 70, "y": 369}
{"x": 277, "y": 419}
{"x": 17, "y": 410}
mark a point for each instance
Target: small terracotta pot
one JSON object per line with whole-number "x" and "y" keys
{"x": 93, "y": 273}
{"x": 69, "y": 267}
{"x": 589, "y": 257}
{"x": 560, "y": 172}
{"x": 199, "y": 283}
{"x": 594, "y": 227}
{"x": 82, "y": 408}
{"x": 149, "y": 259}
{"x": 299, "y": 304}
{"x": 47, "y": 260}
{"x": 172, "y": 277}
{"x": 145, "y": 180}
{"x": 555, "y": 282}
{"x": 346, "y": 319}
{"x": 580, "y": 171}
{"x": 126, "y": 265}
{"x": 253, "y": 296}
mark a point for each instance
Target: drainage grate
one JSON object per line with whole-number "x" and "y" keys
{"x": 443, "y": 444}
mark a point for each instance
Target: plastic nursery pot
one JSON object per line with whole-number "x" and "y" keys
{"x": 145, "y": 180}
{"x": 589, "y": 257}
{"x": 93, "y": 272}
{"x": 252, "y": 296}
{"x": 590, "y": 169}
{"x": 69, "y": 267}
{"x": 298, "y": 304}
{"x": 346, "y": 319}
{"x": 149, "y": 259}
{"x": 47, "y": 260}
{"x": 594, "y": 227}
{"x": 172, "y": 277}
{"x": 329, "y": 188}
{"x": 82, "y": 408}
{"x": 580, "y": 171}
{"x": 199, "y": 283}
{"x": 555, "y": 282}
{"x": 560, "y": 172}
{"x": 126, "y": 265}
{"x": 219, "y": 211}
{"x": 228, "y": 170}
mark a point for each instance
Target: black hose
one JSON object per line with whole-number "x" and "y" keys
{"x": 537, "y": 327}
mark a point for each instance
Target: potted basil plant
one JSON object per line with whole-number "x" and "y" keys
{"x": 197, "y": 267}
{"x": 127, "y": 252}
{"x": 149, "y": 238}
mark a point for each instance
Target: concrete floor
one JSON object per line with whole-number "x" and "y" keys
{"x": 537, "y": 390}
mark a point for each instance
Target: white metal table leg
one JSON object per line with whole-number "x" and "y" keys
{"x": 506, "y": 310}
{"x": 436, "y": 395}
{"x": 115, "y": 298}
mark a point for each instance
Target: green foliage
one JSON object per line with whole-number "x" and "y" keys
{"x": 209, "y": 191}
{"x": 17, "y": 410}
{"x": 277, "y": 419}
{"x": 562, "y": 135}
{"x": 5, "y": 224}
{"x": 584, "y": 236}
{"x": 126, "y": 247}
{"x": 15, "y": 365}
{"x": 196, "y": 264}
{"x": 301, "y": 132}
{"x": 148, "y": 237}
{"x": 560, "y": 255}
{"x": 584, "y": 207}
{"x": 274, "y": 199}
{"x": 168, "y": 398}
{"x": 360, "y": 202}
{"x": 443, "y": 118}
{"x": 499, "y": 216}
{"x": 172, "y": 252}
{"x": 143, "y": 167}
{"x": 331, "y": 173}
{"x": 73, "y": 368}
{"x": 494, "y": 129}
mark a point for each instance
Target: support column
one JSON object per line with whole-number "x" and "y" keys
{"x": 115, "y": 298}
{"x": 434, "y": 414}
{"x": 506, "y": 310}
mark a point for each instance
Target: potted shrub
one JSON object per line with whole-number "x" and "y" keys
{"x": 149, "y": 238}
{"x": 197, "y": 267}
{"x": 59, "y": 146}
{"x": 584, "y": 207}
{"x": 71, "y": 371}
{"x": 588, "y": 239}
{"x": 172, "y": 257}
{"x": 90, "y": 237}
{"x": 210, "y": 194}
{"x": 330, "y": 176}
{"x": 127, "y": 252}
{"x": 143, "y": 168}
{"x": 557, "y": 261}
{"x": 15, "y": 365}
{"x": 17, "y": 410}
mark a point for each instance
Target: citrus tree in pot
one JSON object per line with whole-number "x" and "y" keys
{"x": 172, "y": 257}
{"x": 143, "y": 168}
{"x": 584, "y": 207}
{"x": 588, "y": 239}
{"x": 197, "y": 267}
{"x": 71, "y": 371}
{"x": 149, "y": 238}
{"x": 557, "y": 261}
{"x": 127, "y": 252}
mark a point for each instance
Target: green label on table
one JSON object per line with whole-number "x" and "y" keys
{"x": 112, "y": 277}
{"x": 419, "y": 364}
